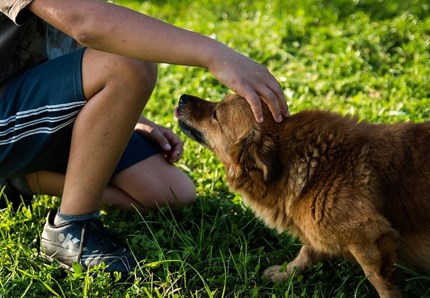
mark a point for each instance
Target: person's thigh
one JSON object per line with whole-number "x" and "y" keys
{"x": 37, "y": 112}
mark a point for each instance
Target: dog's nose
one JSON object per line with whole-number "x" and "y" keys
{"x": 184, "y": 98}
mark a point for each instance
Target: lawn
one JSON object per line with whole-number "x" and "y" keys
{"x": 367, "y": 58}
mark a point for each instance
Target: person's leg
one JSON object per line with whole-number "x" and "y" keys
{"x": 154, "y": 183}
{"x": 52, "y": 183}
{"x": 148, "y": 184}
{"x": 117, "y": 89}
{"x": 80, "y": 110}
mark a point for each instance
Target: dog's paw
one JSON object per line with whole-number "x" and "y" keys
{"x": 276, "y": 273}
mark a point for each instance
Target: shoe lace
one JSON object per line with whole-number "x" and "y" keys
{"x": 82, "y": 243}
{"x": 102, "y": 232}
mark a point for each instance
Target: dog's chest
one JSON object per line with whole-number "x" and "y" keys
{"x": 294, "y": 216}
{"x": 274, "y": 213}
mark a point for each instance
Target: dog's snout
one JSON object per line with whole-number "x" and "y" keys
{"x": 184, "y": 98}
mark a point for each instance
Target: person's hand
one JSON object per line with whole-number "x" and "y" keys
{"x": 250, "y": 80}
{"x": 167, "y": 139}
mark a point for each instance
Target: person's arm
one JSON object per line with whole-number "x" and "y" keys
{"x": 111, "y": 28}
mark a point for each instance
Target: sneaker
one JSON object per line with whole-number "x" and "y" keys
{"x": 87, "y": 243}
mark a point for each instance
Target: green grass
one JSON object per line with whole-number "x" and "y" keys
{"x": 368, "y": 58}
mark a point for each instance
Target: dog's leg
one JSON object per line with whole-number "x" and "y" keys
{"x": 377, "y": 261}
{"x": 306, "y": 258}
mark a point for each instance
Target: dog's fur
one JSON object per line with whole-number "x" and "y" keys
{"x": 343, "y": 187}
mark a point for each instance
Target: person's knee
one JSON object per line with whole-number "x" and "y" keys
{"x": 146, "y": 73}
{"x": 173, "y": 187}
{"x": 185, "y": 192}
{"x": 154, "y": 183}
{"x": 135, "y": 78}
{"x": 136, "y": 74}
{"x": 176, "y": 191}
{"x": 179, "y": 192}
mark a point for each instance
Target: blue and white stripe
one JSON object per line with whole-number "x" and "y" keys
{"x": 42, "y": 120}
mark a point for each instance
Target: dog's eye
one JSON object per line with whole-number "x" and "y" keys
{"x": 214, "y": 116}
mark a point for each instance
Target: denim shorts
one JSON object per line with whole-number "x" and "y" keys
{"x": 37, "y": 112}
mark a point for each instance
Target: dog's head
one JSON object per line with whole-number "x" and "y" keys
{"x": 228, "y": 128}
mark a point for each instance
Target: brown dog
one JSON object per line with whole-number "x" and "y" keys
{"x": 343, "y": 188}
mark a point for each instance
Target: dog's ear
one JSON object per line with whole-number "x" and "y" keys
{"x": 255, "y": 151}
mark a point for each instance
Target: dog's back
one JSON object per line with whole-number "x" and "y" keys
{"x": 402, "y": 162}
{"x": 398, "y": 157}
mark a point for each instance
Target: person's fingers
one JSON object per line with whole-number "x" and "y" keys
{"x": 176, "y": 154}
{"x": 176, "y": 151}
{"x": 283, "y": 105}
{"x": 277, "y": 106}
{"x": 272, "y": 101}
{"x": 268, "y": 90}
{"x": 161, "y": 139}
{"x": 173, "y": 139}
{"x": 254, "y": 100}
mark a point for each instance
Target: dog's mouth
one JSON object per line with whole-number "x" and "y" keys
{"x": 187, "y": 129}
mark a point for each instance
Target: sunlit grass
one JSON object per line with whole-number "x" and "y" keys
{"x": 366, "y": 58}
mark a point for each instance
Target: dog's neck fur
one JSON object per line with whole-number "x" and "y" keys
{"x": 306, "y": 153}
